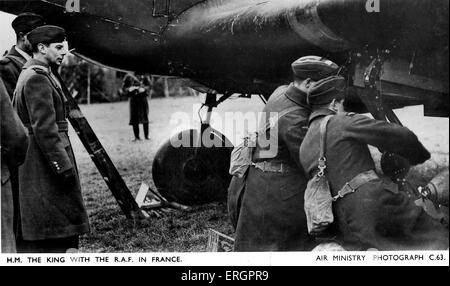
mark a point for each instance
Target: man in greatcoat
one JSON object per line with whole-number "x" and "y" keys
{"x": 266, "y": 207}
{"x": 10, "y": 68}
{"x": 14, "y": 145}
{"x": 370, "y": 211}
{"x": 52, "y": 211}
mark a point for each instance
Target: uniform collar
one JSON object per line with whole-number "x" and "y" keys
{"x": 320, "y": 113}
{"x": 296, "y": 95}
{"x": 23, "y": 54}
{"x": 13, "y": 52}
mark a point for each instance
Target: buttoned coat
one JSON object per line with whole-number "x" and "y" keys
{"x": 271, "y": 215}
{"x": 10, "y": 69}
{"x": 49, "y": 209}
{"x": 14, "y": 145}
{"x": 377, "y": 215}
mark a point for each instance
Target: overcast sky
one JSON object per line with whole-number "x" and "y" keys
{"x": 7, "y": 36}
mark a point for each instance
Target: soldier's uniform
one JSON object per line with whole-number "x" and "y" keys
{"x": 10, "y": 68}
{"x": 376, "y": 215}
{"x": 52, "y": 212}
{"x": 268, "y": 205}
{"x": 14, "y": 144}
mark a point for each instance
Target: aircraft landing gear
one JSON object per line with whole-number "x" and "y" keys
{"x": 393, "y": 165}
{"x": 188, "y": 170}
{"x": 372, "y": 96}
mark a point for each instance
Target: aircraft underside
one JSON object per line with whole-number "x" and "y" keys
{"x": 393, "y": 57}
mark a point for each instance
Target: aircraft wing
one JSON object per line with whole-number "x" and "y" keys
{"x": 246, "y": 46}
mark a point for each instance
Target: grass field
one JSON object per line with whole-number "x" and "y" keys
{"x": 179, "y": 231}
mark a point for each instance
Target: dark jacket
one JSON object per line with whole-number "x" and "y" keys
{"x": 14, "y": 144}
{"x": 49, "y": 209}
{"x": 377, "y": 215}
{"x": 10, "y": 69}
{"x": 271, "y": 216}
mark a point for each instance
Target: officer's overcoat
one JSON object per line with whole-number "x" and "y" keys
{"x": 377, "y": 215}
{"x": 48, "y": 208}
{"x": 14, "y": 145}
{"x": 271, "y": 216}
{"x": 10, "y": 68}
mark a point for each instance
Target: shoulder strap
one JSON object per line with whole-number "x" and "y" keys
{"x": 323, "y": 135}
{"x": 323, "y": 138}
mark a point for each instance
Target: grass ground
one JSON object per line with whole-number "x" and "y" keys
{"x": 179, "y": 231}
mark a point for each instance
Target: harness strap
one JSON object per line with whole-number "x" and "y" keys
{"x": 358, "y": 181}
{"x": 322, "y": 146}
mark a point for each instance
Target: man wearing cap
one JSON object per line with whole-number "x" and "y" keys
{"x": 11, "y": 65}
{"x": 370, "y": 211}
{"x": 267, "y": 209}
{"x": 14, "y": 144}
{"x": 52, "y": 212}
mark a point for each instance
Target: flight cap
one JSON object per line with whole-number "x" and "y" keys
{"x": 314, "y": 67}
{"x": 324, "y": 91}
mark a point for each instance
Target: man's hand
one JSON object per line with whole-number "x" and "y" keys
{"x": 133, "y": 88}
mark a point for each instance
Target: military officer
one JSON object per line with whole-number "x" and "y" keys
{"x": 52, "y": 211}
{"x": 14, "y": 144}
{"x": 370, "y": 211}
{"x": 11, "y": 65}
{"x": 267, "y": 208}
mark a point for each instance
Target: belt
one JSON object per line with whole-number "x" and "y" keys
{"x": 274, "y": 167}
{"x": 355, "y": 183}
{"x": 63, "y": 126}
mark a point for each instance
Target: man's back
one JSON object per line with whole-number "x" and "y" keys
{"x": 348, "y": 137}
{"x": 10, "y": 69}
{"x": 371, "y": 211}
{"x": 272, "y": 216}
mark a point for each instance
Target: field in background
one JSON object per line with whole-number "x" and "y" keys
{"x": 179, "y": 231}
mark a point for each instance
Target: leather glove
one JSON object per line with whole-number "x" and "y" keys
{"x": 69, "y": 178}
{"x": 394, "y": 166}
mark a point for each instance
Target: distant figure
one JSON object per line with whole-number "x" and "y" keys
{"x": 52, "y": 211}
{"x": 14, "y": 144}
{"x": 136, "y": 88}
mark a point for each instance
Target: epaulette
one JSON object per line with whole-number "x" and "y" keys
{"x": 351, "y": 114}
{"x": 38, "y": 70}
